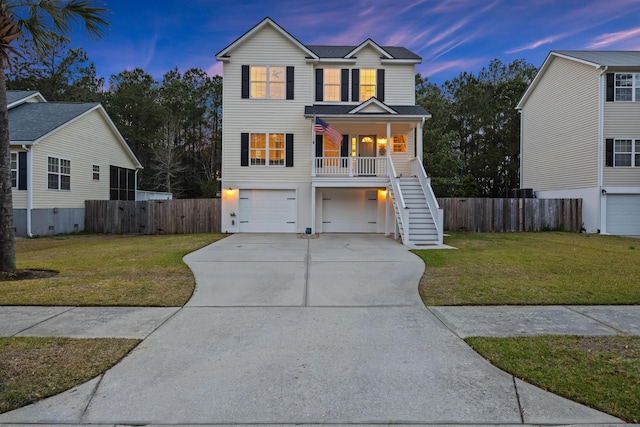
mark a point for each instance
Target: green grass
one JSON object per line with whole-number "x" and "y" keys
{"x": 35, "y": 368}
{"x": 600, "y": 372}
{"x": 106, "y": 270}
{"x": 532, "y": 268}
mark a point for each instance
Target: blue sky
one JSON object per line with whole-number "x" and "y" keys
{"x": 451, "y": 36}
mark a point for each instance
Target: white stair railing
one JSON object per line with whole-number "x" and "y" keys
{"x": 398, "y": 201}
{"x": 436, "y": 211}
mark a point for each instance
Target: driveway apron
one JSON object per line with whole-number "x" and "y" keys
{"x": 289, "y": 330}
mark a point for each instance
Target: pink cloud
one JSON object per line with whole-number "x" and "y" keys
{"x": 537, "y": 44}
{"x": 433, "y": 68}
{"x": 214, "y": 70}
{"x": 608, "y": 39}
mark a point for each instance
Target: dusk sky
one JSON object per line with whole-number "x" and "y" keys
{"x": 450, "y": 35}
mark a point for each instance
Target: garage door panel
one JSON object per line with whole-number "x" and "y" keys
{"x": 623, "y": 214}
{"x": 267, "y": 211}
{"x": 350, "y": 211}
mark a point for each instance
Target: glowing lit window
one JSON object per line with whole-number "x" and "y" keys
{"x": 332, "y": 85}
{"x": 367, "y": 84}
{"x": 267, "y": 82}
{"x": 399, "y": 143}
{"x": 263, "y": 154}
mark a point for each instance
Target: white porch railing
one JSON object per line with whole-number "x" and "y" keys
{"x": 402, "y": 207}
{"x": 350, "y": 166}
{"x": 436, "y": 211}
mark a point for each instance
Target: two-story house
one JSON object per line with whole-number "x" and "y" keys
{"x": 323, "y": 139}
{"x": 63, "y": 153}
{"x": 580, "y": 136}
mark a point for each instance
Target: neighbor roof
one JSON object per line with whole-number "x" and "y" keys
{"x": 605, "y": 58}
{"x": 33, "y": 120}
{"x": 16, "y": 97}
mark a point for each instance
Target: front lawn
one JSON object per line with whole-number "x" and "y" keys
{"x": 106, "y": 270}
{"x": 600, "y": 372}
{"x": 532, "y": 268}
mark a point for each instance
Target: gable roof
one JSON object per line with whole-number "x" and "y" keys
{"x": 348, "y": 111}
{"x": 223, "y": 55}
{"x": 323, "y": 51}
{"x": 17, "y": 97}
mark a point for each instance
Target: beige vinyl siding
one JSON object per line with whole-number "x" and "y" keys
{"x": 401, "y": 161}
{"x": 268, "y": 47}
{"x": 399, "y": 80}
{"x": 85, "y": 142}
{"x": 560, "y": 128}
{"x": 621, "y": 120}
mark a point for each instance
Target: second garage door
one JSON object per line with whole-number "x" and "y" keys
{"x": 267, "y": 211}
{"x": 623, "y": 214}
{"x": 349, "y": 211}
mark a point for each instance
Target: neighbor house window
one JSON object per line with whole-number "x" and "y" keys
{"x": 399, "y": 143}
{"x": 268, "y": 82}
{"x": 58, "y": 173}
{"x": 96, "y": 172}
{"x": 626, "y": 153}
{"x": 367, "y": 84}
{"x": 263, "y": 154}
{"x": 627, "y": 87}
{"x": 332, "y": 85}
{"x": 14, "y": 170}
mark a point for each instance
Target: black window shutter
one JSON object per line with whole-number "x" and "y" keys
{"x": 344, "y": 85}
{"x": 344, "y": 150}
{"x": 244, "y": 149}
{"x": 355, "y": 85}
{"x": 245, "y": 81}
{"x": 380, "y": 83}
{"x": 290, "y": 84}
{"x": 610, "y": 88}
{"x": 288, "y": 150}
{"x": 22, "y": 171}
{"x": 319, "y": 84}
{"x": 319, "y": 147}
{"x": 609, "y": 153}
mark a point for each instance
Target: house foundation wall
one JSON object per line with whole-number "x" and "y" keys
{"x": 48, "y": 222}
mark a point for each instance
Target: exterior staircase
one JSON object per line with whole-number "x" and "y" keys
{"x": 422, "y": 227}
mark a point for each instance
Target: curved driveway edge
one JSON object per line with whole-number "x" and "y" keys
{"x": 287, "y": 330}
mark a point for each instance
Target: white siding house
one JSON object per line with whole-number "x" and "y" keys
{"x": 323, "y": 139}
{"x": 581, "y": 136}
{"x": 61, "y": 155}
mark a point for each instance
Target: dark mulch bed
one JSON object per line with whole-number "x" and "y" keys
{"x": 26, "y": 275}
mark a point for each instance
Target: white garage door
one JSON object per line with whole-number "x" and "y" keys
{"x": 349, "y": 211}
{"x": 267, "y": 211}
{"x": 623, "y": 214}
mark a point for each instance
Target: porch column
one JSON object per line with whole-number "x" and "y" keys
{"x": 419, "y": 154}
{"x": 389, "y": 145}
{"x": 313, "y": 209}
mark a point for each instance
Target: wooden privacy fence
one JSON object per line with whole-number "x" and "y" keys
{"x": 511, "y": 215}
{"x": 181, "y": 216}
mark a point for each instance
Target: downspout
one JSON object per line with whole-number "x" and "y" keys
{"x": 29, "y": 187}
{"x": 135, "y": 188}
{"x": 601, "y": 146}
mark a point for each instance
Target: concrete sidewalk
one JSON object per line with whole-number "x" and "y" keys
{"x": 283, "y": 330}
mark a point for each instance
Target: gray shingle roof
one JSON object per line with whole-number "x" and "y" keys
{"x": 16, "y": 95}
{"x": 324, "y": 51}
{"x": 611, "y": 58}
{"x": 32, "y": 120}
{"x": 336, "y": 110}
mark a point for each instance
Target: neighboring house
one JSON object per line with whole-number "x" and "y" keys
{"x": 581, "y": 136}
{"x": 64, "y": 153}
{"x": 323, "y": 139}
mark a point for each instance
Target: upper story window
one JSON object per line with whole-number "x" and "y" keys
{"x": 58, "y": 173}
{"x": 268, "y": 82}
{"x": 626, "y": 153}
{"x": 332, "y": 85}
{"x": 14, "y": 170}
{"x": 266, "y": 149}
{"x": 368, "y": 84}
{"x": 627, "y": 87}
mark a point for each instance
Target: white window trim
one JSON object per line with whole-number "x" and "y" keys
{"x": 635, "y": 78}
{"x": 268, "y": 82}
{"x": 267, "y": 148}
{"x": 93, "y": 172}
{"x": 59, "y": 173}
{"x": 374, "y": 84}
{"x": 17, "y": 169}
{"x": 634, "y": 152}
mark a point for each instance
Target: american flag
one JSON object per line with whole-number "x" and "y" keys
{"x": 332, "y": 133}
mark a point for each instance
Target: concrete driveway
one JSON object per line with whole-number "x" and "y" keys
{"x": 289, "y": 330}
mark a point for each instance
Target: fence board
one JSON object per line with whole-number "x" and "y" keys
{"x": 511, "y": 215}
{"x": 180, "y": 216}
